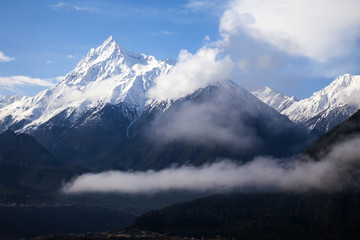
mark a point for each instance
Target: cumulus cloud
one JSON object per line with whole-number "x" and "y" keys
{"x": 336, "y": 171}
{"x": 14, "y": 81}
{"x": 192, "y": 72}
{"x": 319, "y": 30}
{"x": 4, "y": 58}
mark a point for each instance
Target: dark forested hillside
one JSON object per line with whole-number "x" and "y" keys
{"x": 260, "y": 216}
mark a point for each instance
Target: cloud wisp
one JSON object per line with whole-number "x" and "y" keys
{"x": 4, "y": 58}
{"x": 334, "y": 172}
{"x": 84, "y": 8}
{"x": 58, "y": 5}
{"x": 63, "y": 5}
{"x": 15, "y": 81}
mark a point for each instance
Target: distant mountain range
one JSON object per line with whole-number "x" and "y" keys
{"x": 324, "y": 109}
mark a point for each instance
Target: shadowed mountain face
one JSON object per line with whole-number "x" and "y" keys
{"x": 79, "y": 142}
{"x": 25, "y": 152}
{"x": 348, "y": 129}
{"x": 28, "y": 171}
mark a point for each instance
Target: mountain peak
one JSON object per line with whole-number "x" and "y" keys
{"x": 110, "y": 39}
{"x": 107, "y": 75}
{"x": 110, "y": 44}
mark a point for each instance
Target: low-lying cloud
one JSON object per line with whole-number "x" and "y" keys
{"x": 338, "y": 170}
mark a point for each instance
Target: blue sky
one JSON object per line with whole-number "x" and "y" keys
{"x": 45, "y": 39}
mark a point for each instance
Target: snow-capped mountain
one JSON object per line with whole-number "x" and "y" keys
{"x": 324, "y": 109}
{"x": 329, "y": 106}
{"x": 99, "y": 116}
{"x": 274, "y": 99}
{"x": 108, "y": 74}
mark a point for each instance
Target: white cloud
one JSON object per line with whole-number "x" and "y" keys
{"x": 164, "y": 32}
{"x": 15, "y": 81}
{"x": 168, "y": 33}
{"x": 58, "y": 79}
{"x": 58, "y": 5}
{"x": 196, "y": 5}
{"x": 333, "y": 173}
{"x": 4, "y": 58}
{"x": 320, "y": 29}
{"x": 63, "y": 5}
{"x": 86, "y": 9}
{"x": 49, "y": 62}
{"x": 192, "y": 72}
{"x": 70, "y": 56}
